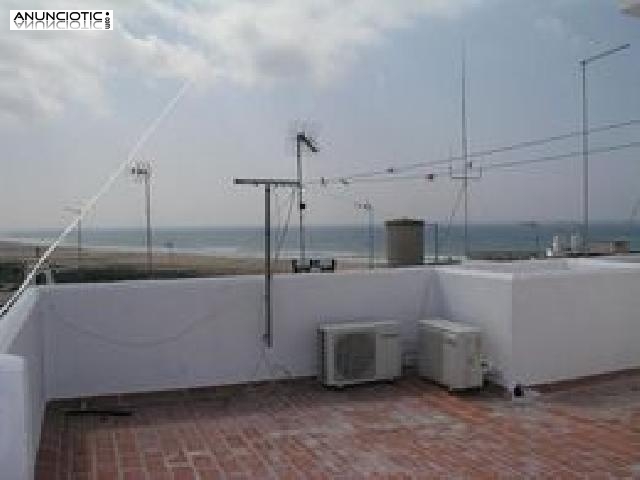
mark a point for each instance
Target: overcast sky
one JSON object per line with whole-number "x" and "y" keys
{"x": 377, "y": 81}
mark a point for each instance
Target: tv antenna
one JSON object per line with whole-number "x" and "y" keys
{"x": 302, "y": 140}
{"x": 268, "y": 184}
{"x": 141, "y": 172}
{"x": 468, "y": 166}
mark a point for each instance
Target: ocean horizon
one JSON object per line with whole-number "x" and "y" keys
{"x": 339, "y": 241}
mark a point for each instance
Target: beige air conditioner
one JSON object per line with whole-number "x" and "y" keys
{"x": 449, "y": 353}
{"x": 350, "y": 353}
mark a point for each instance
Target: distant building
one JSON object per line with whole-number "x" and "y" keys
{"x": 612, "y": 247}
{"x": 630, "y": 7}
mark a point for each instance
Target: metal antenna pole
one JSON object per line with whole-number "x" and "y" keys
{"x": 585, "y": 161}
{"x": 309, "y": 142}
{"x": 371, "y": 238}
{"x": 147, "y": 188}
{"x": 300, "y": 203}
{"x": 267, "y": 183}
{"x": 268, "y": 333}
{"x": 585, "y": 140}
{"x": 79, "y": 252}
{"x": 435, "y": 243}
{"x": 465, "y": 153}
{"x": 466, "y": 176}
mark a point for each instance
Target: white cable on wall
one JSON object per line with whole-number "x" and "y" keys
{"x": 186, "y": 329}
{"x": 90, "y": 204}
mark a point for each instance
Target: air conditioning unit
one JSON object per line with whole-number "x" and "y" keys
{"x": 350, "y": 353}
{"x": 449, "y": 353}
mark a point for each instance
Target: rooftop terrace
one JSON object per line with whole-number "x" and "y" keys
{"x": 409, "y": 429}
{"x": 541, "y": 322}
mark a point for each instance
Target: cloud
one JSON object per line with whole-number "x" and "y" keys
{"x": 245, "y": 41}
{"x": 551, "y": 26}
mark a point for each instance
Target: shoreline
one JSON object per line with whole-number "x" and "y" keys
{"x": 164, "y": 262}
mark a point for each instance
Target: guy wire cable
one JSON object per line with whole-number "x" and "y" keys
{"x": 87, "y": 206}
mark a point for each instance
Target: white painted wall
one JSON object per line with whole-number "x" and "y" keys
{"x": 142, "y": 336}
{"x": 22, "y": 394}
{"x": 540, "y": 323}
{"x": 570, "y": 325}
{"x": 482, "y": 298}
{"x": 14, "y": 419}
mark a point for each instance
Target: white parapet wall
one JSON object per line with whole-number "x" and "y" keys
{"x": 22, "y": 394}
{"x": 151, "y": 335}
{"x": 542, "y": 321}
{"x": 484, "y": 298}
{"x": 574, "y": 324}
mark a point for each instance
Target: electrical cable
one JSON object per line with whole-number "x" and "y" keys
{"x": 190, "y": 327}
{"x": 562, "y": 156}
{"x": 355, "y": 203}
{"x": 500, "y": 165}
{"x": 492, "y": 151}
{"x": 285, "y": 228}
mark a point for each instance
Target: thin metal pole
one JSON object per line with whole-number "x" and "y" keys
{"x": 147, "y": 187}
{"x": 268, "y": 338}
{"x": 300, "y": 201}
{"x": 435, "y": 243}
{"x": 268, "y": 183}
{"x": 79, "y": 253}
{"x": 585, "y": 161}
{"x": 371, "y": 239}
{"x": 465, "y": 154}
{"x": 585, "y": 139}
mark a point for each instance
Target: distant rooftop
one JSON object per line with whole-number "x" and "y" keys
{"x": 631, "y": 7}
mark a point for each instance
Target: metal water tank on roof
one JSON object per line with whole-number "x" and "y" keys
{"x": 405, "y": 242}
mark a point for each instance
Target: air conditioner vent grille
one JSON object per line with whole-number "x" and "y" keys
{"x": 355, "y": 356}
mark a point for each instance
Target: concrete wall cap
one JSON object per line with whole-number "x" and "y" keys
{"x": 11, "y": 363}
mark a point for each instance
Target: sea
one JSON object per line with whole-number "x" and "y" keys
{"x": 338, "y": 241}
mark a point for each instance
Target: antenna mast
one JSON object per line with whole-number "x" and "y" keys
{"x": 302, "y": 139}
{"x": 268, "y": 184}
{"x": 468, "y": 167}
{"x": 465, "y": 153}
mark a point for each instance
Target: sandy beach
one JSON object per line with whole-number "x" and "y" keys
{"x": 98, "y": 264}
{"x": 91, "y": 258}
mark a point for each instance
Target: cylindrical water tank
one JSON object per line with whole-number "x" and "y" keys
{"x": 405, "y": 242}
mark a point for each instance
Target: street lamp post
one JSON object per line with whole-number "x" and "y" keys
{"x": 142, "y": 170}
{"x": 77, "y": 211}
{"x": 368, "y": 207}
{"x": 585, "y": 140}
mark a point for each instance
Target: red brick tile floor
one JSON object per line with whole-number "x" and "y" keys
{"x": 298, "y": 429}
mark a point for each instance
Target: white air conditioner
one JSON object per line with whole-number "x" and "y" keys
{"x": 350, "y": 353}
{"x": 450, "y": 353}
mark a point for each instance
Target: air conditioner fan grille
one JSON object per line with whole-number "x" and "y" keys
{"x": 355, "y": 356}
